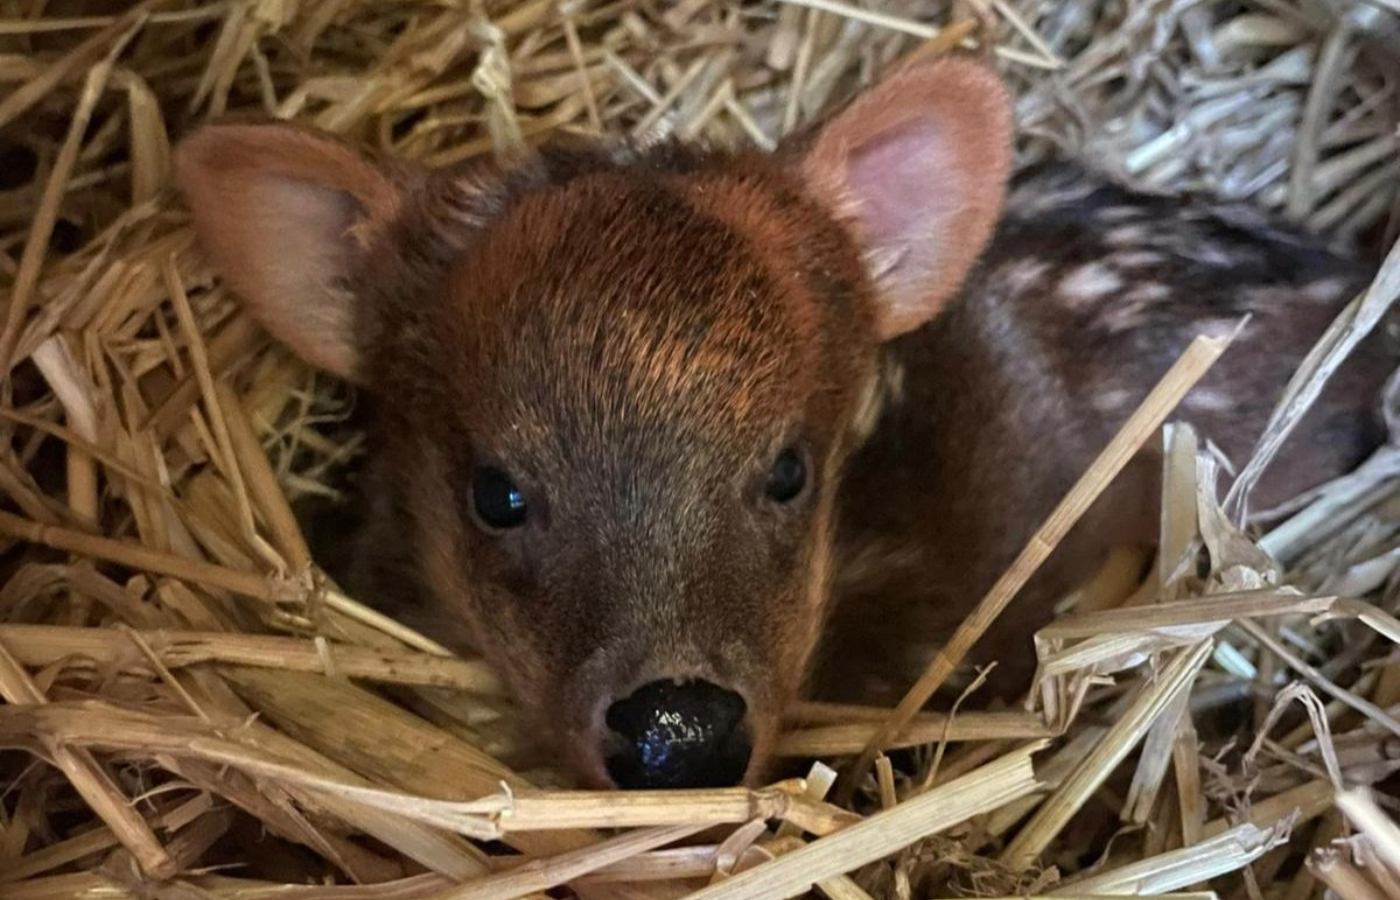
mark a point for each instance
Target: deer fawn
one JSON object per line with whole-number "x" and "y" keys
{"x": 650, "y": 420}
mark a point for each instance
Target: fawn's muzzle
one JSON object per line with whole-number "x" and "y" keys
{"x": 670, "y": 734}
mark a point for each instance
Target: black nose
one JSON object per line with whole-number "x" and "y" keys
{"x": 686, "y": 735}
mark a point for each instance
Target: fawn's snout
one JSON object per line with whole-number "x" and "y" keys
{"x": 677, "y": 734}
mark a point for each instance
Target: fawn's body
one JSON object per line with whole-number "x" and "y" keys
{"x": 1085, "y": 297}
{"x": 645, "y": 416}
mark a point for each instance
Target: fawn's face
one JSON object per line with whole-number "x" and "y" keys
{"x": 616, "y": 387}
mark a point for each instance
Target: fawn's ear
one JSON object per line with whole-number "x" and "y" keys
{"x": 283, "y": 213}
{"x": 917, "y": 167}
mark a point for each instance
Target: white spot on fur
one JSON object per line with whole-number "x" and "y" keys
{"x": 1088, "y": 283}
{"x": 1120, "y": 214}
{"x": 1126, "y": 235}
{"x": 1209, "y": 254}
{"x": 1124, "y": 316}
{"x": 1138, "y": 259}
{"x": 1208, "y": 400}
{"x": 1148, "y": 292}
{"x": 1038, "y": 198}
{"x": 1219, "y": 328}
{"x": 1245, "y": 217}
{"x": 1024, "y": 274}
{"x": 1328, "y": 290}
{"x": 1113, "y": 401}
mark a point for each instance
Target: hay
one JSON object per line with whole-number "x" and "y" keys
{"x": 193, "y": 712}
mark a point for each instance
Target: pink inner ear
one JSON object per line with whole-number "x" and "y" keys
{"x": 282, "y": 244}
{"x": 283, "y": 215}
{"x": 892, "y": 181}
{"x": 910, "y": 195}
{"x": 917, "y": 168}
{"x": 302, "y": 231}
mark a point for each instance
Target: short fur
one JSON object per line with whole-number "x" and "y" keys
{"x": 1083, "y": 300}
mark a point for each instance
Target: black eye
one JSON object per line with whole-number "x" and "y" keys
{"x": 499, "y": 503}
{"x": 788, "y": 477}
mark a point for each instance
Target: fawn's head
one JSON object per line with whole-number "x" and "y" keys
{"x": 616, "y": 384}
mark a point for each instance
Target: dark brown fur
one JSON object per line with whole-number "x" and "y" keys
{"x": 1007, "y": 397}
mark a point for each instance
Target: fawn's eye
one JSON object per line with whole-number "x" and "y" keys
{"x": 788, "y": 476}
{"x": 498, "y": 501}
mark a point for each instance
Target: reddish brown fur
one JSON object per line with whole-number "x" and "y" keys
{"x": 661, "y": 390}
{"x": 635, "y": 333}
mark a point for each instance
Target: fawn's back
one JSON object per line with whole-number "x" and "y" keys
{"x": 1083, "y": 300}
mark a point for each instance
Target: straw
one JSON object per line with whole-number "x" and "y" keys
{"x": 194, "y": 708}
{"x": 1179, "y": 379}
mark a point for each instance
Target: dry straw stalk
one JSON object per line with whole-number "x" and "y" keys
{"x": 193, "y": 710}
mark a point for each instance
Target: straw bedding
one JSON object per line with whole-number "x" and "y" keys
{"x": 191, "y": 710}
